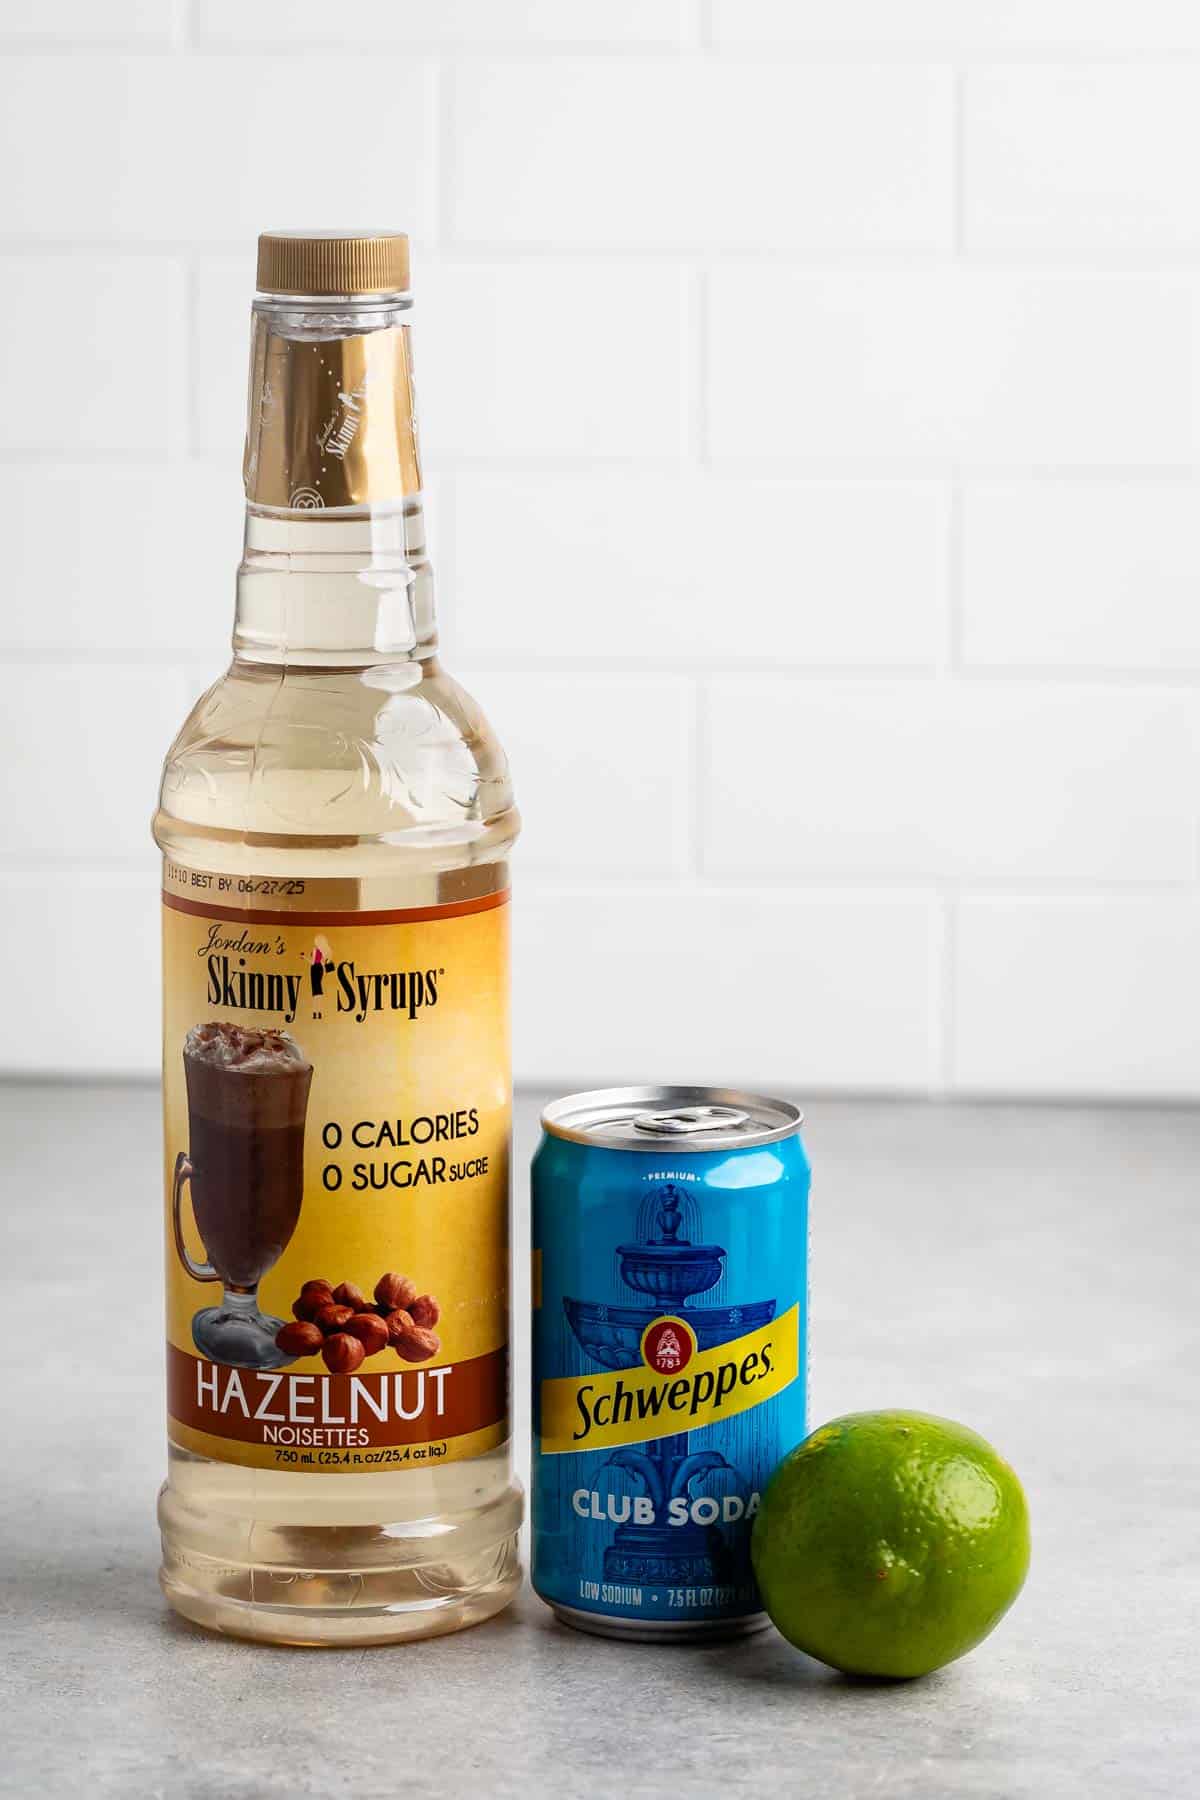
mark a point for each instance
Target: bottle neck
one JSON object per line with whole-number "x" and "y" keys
{"x": 334, "y": 570}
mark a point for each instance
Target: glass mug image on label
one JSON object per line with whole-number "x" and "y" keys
{"x": 247, "y": 1095}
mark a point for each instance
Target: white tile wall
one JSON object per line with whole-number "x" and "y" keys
{"x": 469, "y": 24}
{"x": 1094, "y": 158}
{"x": 81, "y": 743}
{"x": 217, "y": 380}
{"x": 950, "y": 780}
{"x": 950, "y": 27}
{"x": 1076, "y": 575}
{"x": 958, "y": 364}
{"x": 586, "y": 781}
{"x": 156, "y": 544}
{"x": 1081, "y": 996}
{"x": 729, "y": 985}
{"x": 168, "y": 148}
{"x": 115, "y": 1013}
{"x": 810, "y": 395}
{"x": 91, "y": 354}
{"x": 691, "y": 568}
{"x": 68, "y": 23}
{"x": 536, "y": 161}
{"x": 520, "y": 359}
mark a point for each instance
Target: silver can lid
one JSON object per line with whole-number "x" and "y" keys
{"x": 674, "y": 1119}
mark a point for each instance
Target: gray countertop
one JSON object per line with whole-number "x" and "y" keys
{"x": 1029, "y": 1271}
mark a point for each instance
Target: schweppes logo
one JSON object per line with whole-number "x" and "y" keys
{"x": 678, "y": 1388}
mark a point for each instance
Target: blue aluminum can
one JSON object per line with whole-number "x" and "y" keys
{"x": 670, "y": 1351}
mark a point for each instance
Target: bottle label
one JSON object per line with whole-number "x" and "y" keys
{"x": 337, "y": 1116}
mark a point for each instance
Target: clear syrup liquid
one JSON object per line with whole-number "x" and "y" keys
{"x": 313, "y": 757}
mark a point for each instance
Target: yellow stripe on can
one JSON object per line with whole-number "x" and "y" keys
{"x": 637, "y": 1406}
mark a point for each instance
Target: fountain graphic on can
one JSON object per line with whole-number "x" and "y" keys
{"x": 670, "y": 1269}
{"x": 664, "y": 1400}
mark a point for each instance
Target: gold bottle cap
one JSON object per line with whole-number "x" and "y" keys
{"x": 333, "y": 262}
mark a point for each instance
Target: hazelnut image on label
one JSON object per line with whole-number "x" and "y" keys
{"x": 416, "y": 1344}
{"x": 370, "y": 1330}
{"x": 347, "y": 1294}
{"x": 299, "y": 1338}
{"x": 425, "y": 1311}
{"x": 342, "y": 1353}
{"x": 312, "y": 1295}
{"x": 333, "y": 1318}
{"x": 395, "y": 1291}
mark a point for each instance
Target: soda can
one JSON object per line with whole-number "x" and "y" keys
{"x": 670, "y": 1362}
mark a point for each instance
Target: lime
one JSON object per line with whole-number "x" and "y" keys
{"x": 888, "y": 1543}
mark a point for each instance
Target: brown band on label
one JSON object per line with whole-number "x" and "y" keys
{"x": 404, "y": 1404}
{"x": 412, "y": 915}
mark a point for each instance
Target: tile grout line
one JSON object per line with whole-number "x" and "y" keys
{"x": 894, "y": 57}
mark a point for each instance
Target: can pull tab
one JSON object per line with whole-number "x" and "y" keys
{"x": 682, "y": 1121}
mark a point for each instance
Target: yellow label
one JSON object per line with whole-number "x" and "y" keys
{"x": 337, "y": 1112}
{"x": 635, "y": 1406}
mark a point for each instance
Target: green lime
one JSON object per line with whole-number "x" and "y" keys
{"x": 888, "y": 1543}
